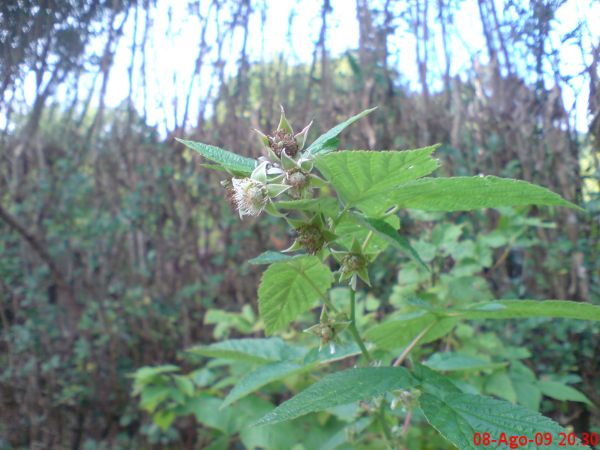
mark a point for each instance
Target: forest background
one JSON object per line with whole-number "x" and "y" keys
{"x": 118, "y": 250}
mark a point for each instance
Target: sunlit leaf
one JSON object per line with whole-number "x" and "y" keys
{"x": 468, "y": 193}
{"x": 364, "y": 178}
{"x": 269, "y": 257}
{"x": 328, "y": 141}
{"x": 228, "y": 160}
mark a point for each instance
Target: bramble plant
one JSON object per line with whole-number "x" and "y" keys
{"x": 343, "y": 208}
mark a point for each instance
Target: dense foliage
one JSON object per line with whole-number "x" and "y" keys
{"x": 119, "y": 254}
{"x": 354, "y": 227}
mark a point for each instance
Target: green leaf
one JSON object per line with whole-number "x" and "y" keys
{"x": 327, "y": 205}
{"x": 330, "y": 146}
{"x": 458, "y": 417}
{"x": 387, "y": 232}
{"x": 205, "y": 408}
{"x": 218, "y": 167}
{"x": 451, "y": 361}
{"x": 328, "y": 142}
{"x": 528, "y": 394}
{"x": 341, "y": 437}
{"x": 152, "y": 396}
{"x": 237, "y": 421}
{"x": 184, "y": 384}
{"x": 261, "y": 376}
{"x": 467, "y": 193}
{"x": 269, "y": 257}
{"x": 433, "y": 382}
{"x": 289, "y": 288}
{"x": 525, "y": 383}
{"x": 342, "y": 351}
{"x": 400, "y": 331}
{"x": 269, "y": 373}
{"x": 341, "y": 388}
{"x": 364, "y": 178}
{"x": 163, "y": 419}
{"x": 251, "y": 350}
{"x": 350, "y": 229}
{"x": 521, "y": 309}
{"x": 229, "y": 160}
{"x": 304, "y": 433}
{"x": 561, "y": 391}
{"x": 501, "y": 385}
{"x": 146, "y": 374}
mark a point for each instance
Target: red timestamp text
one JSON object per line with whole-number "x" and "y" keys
{"x": 540, "y": 439}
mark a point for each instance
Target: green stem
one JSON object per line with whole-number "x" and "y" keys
{"x": 387, "y": 433}
{"x": 413, "y": 344}
{"x": 340, "y": 215}
{"x": 367, "y": 239}
{"x": 318, "y": 291}
{"x": 354, "y": 330}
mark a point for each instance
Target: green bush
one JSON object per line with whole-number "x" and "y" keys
{"x": 344, "y": 218}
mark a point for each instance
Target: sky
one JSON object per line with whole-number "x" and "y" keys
{"x": 175, "y": 37}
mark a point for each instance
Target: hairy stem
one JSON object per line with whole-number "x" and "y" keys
{"x": 354, "y": 330}
{"x": 387, "y": 434}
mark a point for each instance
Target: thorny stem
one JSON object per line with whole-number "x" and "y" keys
{"x": 413, "y": 344}
{"x": 354, "y": 330}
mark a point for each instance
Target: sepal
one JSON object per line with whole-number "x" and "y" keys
{"x": 284, "y": 125}
{"x": 276, "y": 189}
{"x": 301, "y": 137}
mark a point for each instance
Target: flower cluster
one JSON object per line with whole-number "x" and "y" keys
{"x": 284, "y": 168}
{"x": 285, "y": 172}
{"x": 353, "y": 264}
{"x": 312, "y": 235}
{"x": 328, "y": 330}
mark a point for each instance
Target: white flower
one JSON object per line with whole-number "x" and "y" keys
{"x": 250, "y": 196}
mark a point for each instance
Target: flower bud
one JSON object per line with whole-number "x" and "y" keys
{"x": 311, "y": 238}
{"x": 296, "y": 179}
{"x": 353, "y": 263}
{"x": 283, "y": 141}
